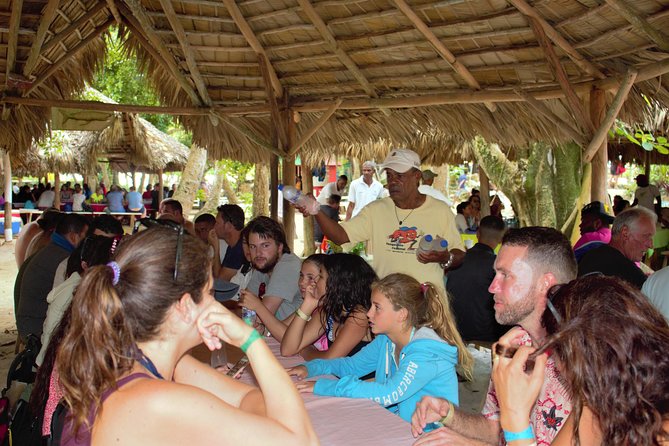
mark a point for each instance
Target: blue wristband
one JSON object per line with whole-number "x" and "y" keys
{"x": 527, "y": 434}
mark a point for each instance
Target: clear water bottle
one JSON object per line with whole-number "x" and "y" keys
{"x": 296, "y": 197}
{"x": 248, "y": 316}
{"x": 439, "y": 244}
{"x": 431, "y": 243}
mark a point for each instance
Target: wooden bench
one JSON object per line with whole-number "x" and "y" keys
{"x": 132, "y": 215}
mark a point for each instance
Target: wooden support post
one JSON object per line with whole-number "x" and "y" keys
{"x": 56, "y": 189}
{"x": 289, "y": 177}
{"x": 308, "y": 224}
{"x": 646, "y": 164}
{"x": 273, "y": 186}
{"x": 160, "y": 187}
{"x": 7, "y": 167}
{"x": 599, "y": 160}
{"x": 603, "y": 128}
{"x": 485, "y": 192}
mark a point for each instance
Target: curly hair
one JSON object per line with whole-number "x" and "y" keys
{"x": 348, "y": 287}
{"x": 612, "y": 344}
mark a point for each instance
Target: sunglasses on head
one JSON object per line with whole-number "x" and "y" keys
{"x": 149, "y": 223}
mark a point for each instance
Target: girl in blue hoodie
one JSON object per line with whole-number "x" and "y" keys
{"x": 414, "y": 354}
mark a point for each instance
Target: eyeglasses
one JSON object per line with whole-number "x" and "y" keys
{"x": 153, "y": 223}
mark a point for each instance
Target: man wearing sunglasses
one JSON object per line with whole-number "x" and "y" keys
{"x": 530, "y": 262}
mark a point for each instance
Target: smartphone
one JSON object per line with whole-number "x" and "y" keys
{"x": 237, "y": 369}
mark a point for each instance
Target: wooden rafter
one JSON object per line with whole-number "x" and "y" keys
{"x": 111, "y": 4}
{"x": 68, "y": 56}
{"x": 561, "y": 124}
{"x": 560, "y": 41}
{"x": 440, "y": 48}
{"x": 639, "y": 23}
{"x": 44, "y": 23}
{"x": 253, "y": 137}
{"x": 611, "y": 114}
{"x": 146, "y": 26}
{"x": 271, "y": 100}
{"x": 561, "y": 75}
{"x": 131, "y": 130}
{"x": 13, "y": 40}
{"x": 314, "y": 128}
{"x": 253, "y": 42}
{"x": 334, "y": 47}
{"x": 180, "y": 34}
{"x": 55, "y": 40}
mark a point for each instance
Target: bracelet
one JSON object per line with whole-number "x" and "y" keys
{"x": 448, "y": 263}
{"x": 446, "y": 421}
{"x": 527, "y": 434}
{"x": 302, "y": 315}
{"x": 254, "y": 336}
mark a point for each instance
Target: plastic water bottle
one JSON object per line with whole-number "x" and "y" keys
{"x": 248, "y": 316}
{"x": 429, "y": 243}
{"x": 296, "y": 197}
{"x": 439, "y": 244}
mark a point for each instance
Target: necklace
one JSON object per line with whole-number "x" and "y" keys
{"x": 148, "y": 364}
{"x": 405, "y": 218}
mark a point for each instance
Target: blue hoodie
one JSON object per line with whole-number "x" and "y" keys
{"x": 427, "y": 367}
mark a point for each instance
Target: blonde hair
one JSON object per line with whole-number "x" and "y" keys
{"x": 426, "y": 307}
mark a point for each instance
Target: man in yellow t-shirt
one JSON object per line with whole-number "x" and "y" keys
{"x": 394, "y": 225}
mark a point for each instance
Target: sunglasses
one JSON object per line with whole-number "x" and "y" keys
{"x": 149, "y": 223}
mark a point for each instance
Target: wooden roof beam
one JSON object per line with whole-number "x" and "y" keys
{"x": 78, "y": 47}
{"x": 271, "y": 100}
{"x": 111, "y": 4}
{"x": 146, "y": 26}
{"x": 611, "y": 114}
{"x": 331, "y": 42}
{"x": 560, "y": 41}
{"x": 441, "y": 49}
{"x": 44, "y": 24}
{"x": 72, "y": 26}
{"x": 253, "y": 41}
{"x": 180, "y": 34}
{"x": 640, "y": 23}
{"x": 317, "y": 125}
{"x": 13, "y": 39}
{"x": 581, "y": 116}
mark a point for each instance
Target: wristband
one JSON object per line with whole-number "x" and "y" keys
{"x": 449, "y": 263}
{"x": 527, "y": 434}
{"x": 302, "y": 315}
{"x": 254, "y": 336}
{"x": 446, "y": 421}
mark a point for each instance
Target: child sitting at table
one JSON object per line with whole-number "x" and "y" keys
{"x": 414, "y": 354}
{"x": 334, "y": 307}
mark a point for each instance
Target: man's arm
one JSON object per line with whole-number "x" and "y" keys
{"x": 331, "y": 228}
{"x": 272, "y": 303}
{"x": 349, "y": 210}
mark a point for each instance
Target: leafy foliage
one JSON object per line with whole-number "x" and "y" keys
{"x": 649, "y": 134}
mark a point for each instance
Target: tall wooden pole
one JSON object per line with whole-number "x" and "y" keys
{"x": 485, "y": 192}
{"x": 7, "y": 167}
{"x": 273, "y": 186}
{"x": 599, "y": 160}
{"x": 161, "y": 193}
{"x": 56, "y": 189}
{"x": 289, "y": 177}
{"x": 308, "y": 224}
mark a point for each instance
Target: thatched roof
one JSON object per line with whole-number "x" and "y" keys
{"x": 399, "y": 67}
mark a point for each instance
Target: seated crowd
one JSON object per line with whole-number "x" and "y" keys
{"x": 580, "y": 356}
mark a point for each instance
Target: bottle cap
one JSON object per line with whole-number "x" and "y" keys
{"x": 427, "y": 237}
{"x": 443, "y": 243}
{"x": 280, "y": 187}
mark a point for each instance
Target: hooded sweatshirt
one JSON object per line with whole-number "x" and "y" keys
{"x": 426, "y": 367}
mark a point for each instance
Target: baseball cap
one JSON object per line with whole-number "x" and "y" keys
{"x": 597, "y": 208}
{"x": 428, "y": 174}
{"x": 401, "y": 160}
{"x": 224, "y": 290}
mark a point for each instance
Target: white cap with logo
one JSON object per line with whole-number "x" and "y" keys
{"x": 401, "y": 160}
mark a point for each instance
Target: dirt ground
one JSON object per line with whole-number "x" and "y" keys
{"x": 8, "y": 272}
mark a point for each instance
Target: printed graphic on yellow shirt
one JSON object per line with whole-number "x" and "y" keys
{"x": 403, "y": 239}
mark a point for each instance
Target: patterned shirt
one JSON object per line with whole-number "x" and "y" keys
{"x": 552, "y": 407}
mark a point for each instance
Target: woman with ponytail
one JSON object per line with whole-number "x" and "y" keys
{"x": 124, "y": 366}
{"x": 415, "y": 352}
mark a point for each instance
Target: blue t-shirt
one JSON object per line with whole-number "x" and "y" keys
{"x": 115, "y": 201}
{"x": 234, "y": 256}
{"x": 135, "y": 202}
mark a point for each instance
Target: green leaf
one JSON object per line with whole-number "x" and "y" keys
{"x": 663, "y": 150}
{"x": 661, "y": 140}
{"x": 647, "y": 146}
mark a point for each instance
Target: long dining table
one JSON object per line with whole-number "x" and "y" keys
{"x": 342, "y": 421}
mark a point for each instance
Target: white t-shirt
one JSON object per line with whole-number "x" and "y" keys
{"x": 46, "y": 199}
{"x": 646, "y": 196}
{"x": 328, "y": 189}
{"x": 394, "y": 245}
{"x": 461, "y": 223}
{"x": 656, "y": 288}
{"x": 362, "y": 194}
{"x": 77, "y": 200}
{"x": 434, "y": 193}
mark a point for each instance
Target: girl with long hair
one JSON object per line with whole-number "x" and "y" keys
{"x": 334, "y": 308}
{"x": 124, "y": 366}
{"x": 415, "y": 352}
{"x": 611, "y": 347}
{"x": 308, "y": 275}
